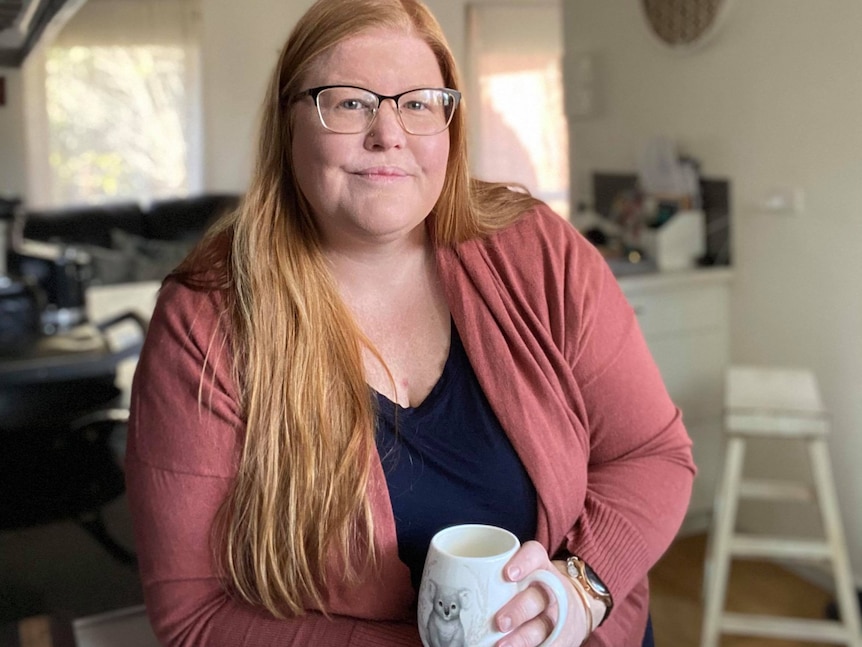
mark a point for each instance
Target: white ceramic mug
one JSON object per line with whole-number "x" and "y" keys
{"x": 463, "y": 587}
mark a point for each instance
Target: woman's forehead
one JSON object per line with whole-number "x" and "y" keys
{"x": 377, "y": 57}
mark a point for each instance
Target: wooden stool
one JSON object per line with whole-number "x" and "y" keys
{"x": 780, "y": 404}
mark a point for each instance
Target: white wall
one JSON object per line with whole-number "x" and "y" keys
{"x": 240, "y": 47}
{"x": 13, "y": 175}
{"x": 774, "y": 100}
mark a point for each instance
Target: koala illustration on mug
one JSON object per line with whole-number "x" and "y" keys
{"x": 444, "y": 627}
{"x": 463, "y": 583}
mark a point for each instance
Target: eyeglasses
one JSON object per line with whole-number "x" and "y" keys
{"x": 349, "y": 110}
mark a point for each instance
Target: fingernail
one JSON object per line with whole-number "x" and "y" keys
{"x": 514, "y": 573}
{"x": 505, "y": 623}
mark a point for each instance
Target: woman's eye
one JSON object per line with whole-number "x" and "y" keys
{"x": 414, "y": 106}
{"x": 353, "y": 104}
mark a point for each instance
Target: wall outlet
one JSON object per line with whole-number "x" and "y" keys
{"x": 785, "y": 200}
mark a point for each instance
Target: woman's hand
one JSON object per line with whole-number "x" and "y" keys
{"x": 531, "y": 614}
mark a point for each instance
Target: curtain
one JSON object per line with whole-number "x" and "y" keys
{"x": 113, "y": 105}
{"x": 519, "y": 125}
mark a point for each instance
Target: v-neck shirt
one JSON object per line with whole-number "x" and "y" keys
{"x": 449, "y": 461}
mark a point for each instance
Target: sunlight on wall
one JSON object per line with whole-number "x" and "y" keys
{"x": 520, "y": 119}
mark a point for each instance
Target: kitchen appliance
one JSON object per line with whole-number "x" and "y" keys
{"x": 63, "y": 273}
{"x": 49, "y": 278}
{"x": 21, "y": 300}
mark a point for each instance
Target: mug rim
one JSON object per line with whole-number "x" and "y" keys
{"x": 442, "y": 534}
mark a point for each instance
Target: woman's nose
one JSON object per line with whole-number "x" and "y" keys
{"x": 386, "y": 130}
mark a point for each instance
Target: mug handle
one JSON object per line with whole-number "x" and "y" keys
{"x": 551, "y": 581}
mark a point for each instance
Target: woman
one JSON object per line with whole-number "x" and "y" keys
{"x": 375, "y": 346}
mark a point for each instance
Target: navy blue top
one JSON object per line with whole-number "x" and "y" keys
{"x": 449, "y": 461}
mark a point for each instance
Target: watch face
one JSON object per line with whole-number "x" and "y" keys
{"x": 594, "y": 580}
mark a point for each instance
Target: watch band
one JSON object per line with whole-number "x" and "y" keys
{"x": 588, "y": 610}
{"x": 580, "y": 571}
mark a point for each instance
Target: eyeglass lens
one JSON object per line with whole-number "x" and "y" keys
{"x": 351, "y": 110}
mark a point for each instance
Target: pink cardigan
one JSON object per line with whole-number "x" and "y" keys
{"x": 558, "y": 352}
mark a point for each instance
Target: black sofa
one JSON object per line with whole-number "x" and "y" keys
{"x": 126, "y": 241}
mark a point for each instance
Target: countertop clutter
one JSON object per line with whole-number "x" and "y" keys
{"x": 679, "y": 243}
{"x": 664, "y": 216}
{"x": 641, "y": 232}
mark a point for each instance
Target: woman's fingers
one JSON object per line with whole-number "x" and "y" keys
{"x": 526, "y": 605}
{"x": 531, "y": 613}
{"x": 529, "y": 557}
{"x": 531, "y": 633}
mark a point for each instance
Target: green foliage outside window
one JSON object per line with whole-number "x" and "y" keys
{"x": 117, "y": 123}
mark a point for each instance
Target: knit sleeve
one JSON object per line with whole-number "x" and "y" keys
{"x": 640, "y": 468}
{"x": 184, "y": 440}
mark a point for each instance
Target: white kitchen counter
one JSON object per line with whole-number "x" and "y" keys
{"x": 690, "y": 278}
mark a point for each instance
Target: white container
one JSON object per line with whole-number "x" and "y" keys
{"x": 678, "y": 243}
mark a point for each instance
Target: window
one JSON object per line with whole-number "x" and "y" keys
{"x": 517, "y": 113}
{"x": 121, "y": 106}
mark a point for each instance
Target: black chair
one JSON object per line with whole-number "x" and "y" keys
{"x": 58, "y": 415}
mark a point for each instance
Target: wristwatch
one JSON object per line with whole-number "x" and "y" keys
{"x": 579, "y": 570}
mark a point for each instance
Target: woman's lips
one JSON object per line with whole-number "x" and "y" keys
{"x": 382, "y": 173}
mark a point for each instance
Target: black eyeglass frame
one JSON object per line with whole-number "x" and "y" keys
{"x": 314, "y": 93}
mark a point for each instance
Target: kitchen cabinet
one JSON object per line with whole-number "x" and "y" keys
{"x": 684, "y": 317}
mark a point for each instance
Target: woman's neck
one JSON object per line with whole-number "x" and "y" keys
{"x": 382, "y": 266}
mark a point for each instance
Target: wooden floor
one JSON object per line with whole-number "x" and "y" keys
{"x": 677, "y": 607}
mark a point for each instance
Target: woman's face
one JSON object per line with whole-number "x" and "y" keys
{"x": 376, "y": 186}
